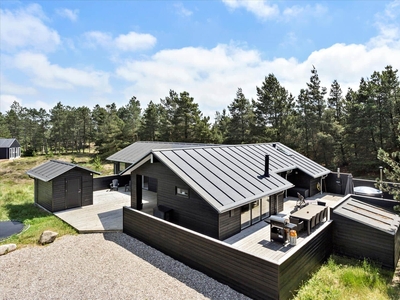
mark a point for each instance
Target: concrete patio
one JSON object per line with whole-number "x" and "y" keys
{"x": 105, "y": 215}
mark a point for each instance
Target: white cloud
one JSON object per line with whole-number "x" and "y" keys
{"x": 182, "y": 11}
{"x": 295, "y": 11}
{"x": 265, "y": 11}
{"x": 260, "y": 8}
{"x": 6, "y": 101}
{"x": 94, "y": 38}
{"x": 124, "y": 42}
{"x": 135, "y": 41}
{"x": 25, "y": 28}
{"x": 388, "y": 25}
{"x": 72, "y": 15}
{"x": 52, "y": 76}
{"x": 212, "y": 76}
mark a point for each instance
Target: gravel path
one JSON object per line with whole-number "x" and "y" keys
{"x": 102, "y": 266}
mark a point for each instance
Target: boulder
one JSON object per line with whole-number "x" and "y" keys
{"x": 4, "y": 249}
{"x": 47, "y": 237}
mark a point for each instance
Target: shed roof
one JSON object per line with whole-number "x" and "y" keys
{"x": 54, "y": 168}
{"x": 369, "y": 215}
{"x": 136, "y": 151}
{"x": 7, "y": 143}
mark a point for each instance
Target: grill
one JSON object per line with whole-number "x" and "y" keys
{"x": 280, "y": 228}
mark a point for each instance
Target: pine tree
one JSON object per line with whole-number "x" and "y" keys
{"x": 150, "y": 123}
{"x": 241, "y": 118}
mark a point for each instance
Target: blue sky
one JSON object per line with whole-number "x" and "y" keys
{"x": 100, "y": 52}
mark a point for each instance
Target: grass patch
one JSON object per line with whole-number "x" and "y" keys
{"x": 17, "y": 198}
{"x": 345, "y": 278}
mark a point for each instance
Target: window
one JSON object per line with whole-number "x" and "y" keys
{"x": 182, "y": 192}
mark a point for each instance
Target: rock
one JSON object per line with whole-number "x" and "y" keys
{"x": 4, "y": 249}
{"x": 47, "y": 237}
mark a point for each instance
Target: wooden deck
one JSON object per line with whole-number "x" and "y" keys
{"x": 256, "y": 239}
{"x": 106, "y": 212}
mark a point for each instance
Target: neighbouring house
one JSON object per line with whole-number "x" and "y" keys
{"x": 9, "y": 149}
{"x": 61, "y": 185}
{"x": 217, "y": 190}
{"x": 366, "y": 227}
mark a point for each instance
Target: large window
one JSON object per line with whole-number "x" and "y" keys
{"x": 245, "y": 216}
{"x": 254, "y": 212}
{"x": 265, "y": 207}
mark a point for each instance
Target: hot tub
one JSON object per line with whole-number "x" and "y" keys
{"x": 368, "y": 191}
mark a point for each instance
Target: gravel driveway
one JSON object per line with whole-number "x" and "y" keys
{"x": 103, "y": 266}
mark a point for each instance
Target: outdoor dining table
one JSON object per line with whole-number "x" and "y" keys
{"x": 307, "y": 213}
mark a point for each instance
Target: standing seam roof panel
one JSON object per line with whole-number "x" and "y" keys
{"x": 234, "y": 178}
{"x": 194, "y": 175}
{"x": 275, "y": 162}
{"x": 215, "y": 158}
{"x": 210, "y": 178}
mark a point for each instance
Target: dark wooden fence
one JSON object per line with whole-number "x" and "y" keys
{"x": 337, "y": 185}
{"x": 103, "y": 182}
{"x": 256, "y": 277}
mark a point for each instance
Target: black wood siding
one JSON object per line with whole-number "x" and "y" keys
{"x": 51, "y": 195}
{"x": 191, "y": 212}
{"x": 248, "y": 274}
{"x": 153, "y": 183}
{"x": 44, "y": 194}
{"x": 256, "y": 277}
{"x": 306, "y": 260}
{"x": 229, "y": 223}
{"x": 358, "y": 240}
{"x": 4, "y": 153}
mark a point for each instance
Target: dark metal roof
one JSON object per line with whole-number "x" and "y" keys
{"x": 296, "y": 160}
{"x": 369, "y": 215}
{"x": 229, "y": 176}
{"x": 226, "y": 176}
{"x": 7, "y": 143}
{"x": 52, "y": 169}
{"x": 136, "y": 151}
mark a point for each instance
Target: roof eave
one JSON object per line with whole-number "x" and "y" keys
{"x": 248, "y": 200}
{"x": 136, "y": 165}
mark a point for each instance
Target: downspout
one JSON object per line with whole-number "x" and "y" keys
{"x": 287, "y": 172}
{"x": 323, "y": 177}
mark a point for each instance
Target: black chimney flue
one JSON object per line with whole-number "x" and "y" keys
{"x": 266, "y": 170}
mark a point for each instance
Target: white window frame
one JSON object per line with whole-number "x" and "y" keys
{"x": 183, "y": 192}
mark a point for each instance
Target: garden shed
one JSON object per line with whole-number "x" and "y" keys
{"x": 366, "y": 227}
{"x": 9, "y": 149}
{"x": 61, "y": 185}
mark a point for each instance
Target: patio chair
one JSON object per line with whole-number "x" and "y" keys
{"x": 321, "y": 216}
{"x": 114, "y": 185}
{"x": 317, "y": 218}
{"x": 312, "y": 222}
{"x": 326, "y": 214}
{"x": 299, "y": 224}
{"x": 128, "y": 187}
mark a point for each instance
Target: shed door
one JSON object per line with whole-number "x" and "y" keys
{"x": 73, "y": 197}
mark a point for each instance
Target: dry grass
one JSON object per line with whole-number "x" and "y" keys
{"x": 17, "y": 200}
